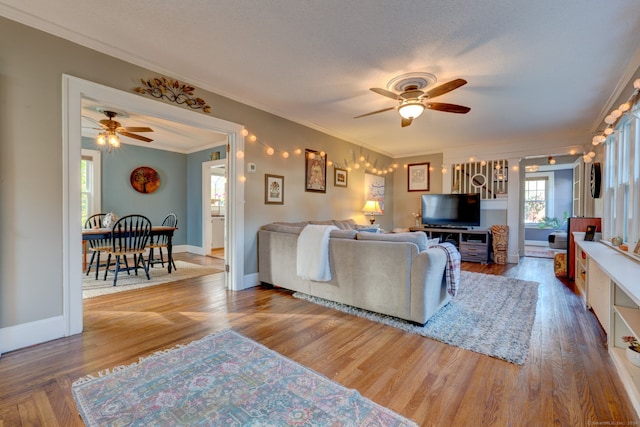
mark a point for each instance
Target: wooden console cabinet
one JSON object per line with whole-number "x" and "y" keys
{"x": 609, "y": 286}
{"x": 474, "y": 245}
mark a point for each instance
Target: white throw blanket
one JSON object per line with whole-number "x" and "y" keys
{"x": 312, "y": 257}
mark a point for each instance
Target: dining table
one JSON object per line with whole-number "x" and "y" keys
{"x": 105, "y": 233}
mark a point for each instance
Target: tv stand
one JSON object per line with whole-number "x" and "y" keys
{"x": 474, "y": 244}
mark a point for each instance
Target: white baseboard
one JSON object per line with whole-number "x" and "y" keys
{"x": 28, "y": 334}
{"x": 198, "y": 250}
{"x": 250, "y": 280}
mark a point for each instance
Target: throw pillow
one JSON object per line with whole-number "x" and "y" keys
{"x": 419, "y": 239}
{"x": 109, "y": 220}
{"x": 433, "y": 242}
{"x": 343, "y": 234}
{"x": 283, "y": 228}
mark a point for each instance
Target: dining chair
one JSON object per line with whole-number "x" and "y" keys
{"x": 162, "y": 241}
{"x": 129, "y": 236}
{"x": 98, "y": 246}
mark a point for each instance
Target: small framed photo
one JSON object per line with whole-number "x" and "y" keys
{"x": 636, "y": 250}
{"x": 273, "y": 189}
{"x": 590, "y": 233}
{"x": 340, "y": 177}
{"x": 315, "y": 171}
{"x": 418, "y": 177}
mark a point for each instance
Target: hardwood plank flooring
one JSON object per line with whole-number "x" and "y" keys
{"x": 567, "y": 380}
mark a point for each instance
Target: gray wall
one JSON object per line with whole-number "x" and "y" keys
{"x": 31, "y": 183}
{"x": 119, "y": 197}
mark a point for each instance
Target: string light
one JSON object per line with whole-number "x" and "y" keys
{"x": 347, "y": 165}
{"x": 615, "y": 115}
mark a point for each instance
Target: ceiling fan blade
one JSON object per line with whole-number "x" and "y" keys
{"x": 134, "y": 129}
{"x": 449, "y": 108}
{"x": 375, "y": 112}
{"x": 445, "y": 87}
{"x": 134, "y": 136}
{"x": 406, "y": 122}
{"x": 385, "y": 92}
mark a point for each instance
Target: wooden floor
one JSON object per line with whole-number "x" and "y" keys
{"x": 567, "y": 380}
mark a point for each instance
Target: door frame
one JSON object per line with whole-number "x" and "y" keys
{"x": 73, "y": 91}
{"x": 206, "y": 207}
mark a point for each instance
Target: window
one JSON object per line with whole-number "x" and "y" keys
{"x": 90, "y": 183}
{"x": 538, "y": 197}
{"x": 621, "y": 199}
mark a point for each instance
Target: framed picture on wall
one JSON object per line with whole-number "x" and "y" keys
{"x": 273, "y": 189}
{"x": 418, "y": 177}
{"x": 340, "y": 177}
{"x": 315, "y": 171}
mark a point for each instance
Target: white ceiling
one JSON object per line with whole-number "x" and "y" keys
{"x": 541, "y": 74}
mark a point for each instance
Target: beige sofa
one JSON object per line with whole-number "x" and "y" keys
{"x": 392, "y": 274}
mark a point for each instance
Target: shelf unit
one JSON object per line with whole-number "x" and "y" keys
{"x": 612, "y": 290}
{"x": 474, "y": 245}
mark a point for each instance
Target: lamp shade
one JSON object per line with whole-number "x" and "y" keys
{"x": 411, "y": 109}
{"x": 372, "y": 207}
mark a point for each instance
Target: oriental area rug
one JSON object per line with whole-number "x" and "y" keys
{"x": 184, "y": 270}
{"x": 223, "y": 379}
{"x": 491, "y": 315}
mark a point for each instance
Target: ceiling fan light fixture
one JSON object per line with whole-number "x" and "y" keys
{"x": 114, "y": 141}
{"x": 411, "y": 109}
{"x": 101, "y": 139}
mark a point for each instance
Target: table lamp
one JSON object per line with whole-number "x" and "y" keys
{"x": 372, "y": 207}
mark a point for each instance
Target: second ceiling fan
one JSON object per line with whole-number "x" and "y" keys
{"x": 413, "y": 100}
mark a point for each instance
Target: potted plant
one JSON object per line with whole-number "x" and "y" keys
{"x": 557, "y": 238}
{"x": 554, "y": 223}
{"x": 633, "y": 351}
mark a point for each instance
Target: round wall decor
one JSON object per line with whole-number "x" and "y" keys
{"x": 145, "y": 179}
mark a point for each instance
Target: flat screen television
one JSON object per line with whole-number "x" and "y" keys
{"x": 451, "y": 210}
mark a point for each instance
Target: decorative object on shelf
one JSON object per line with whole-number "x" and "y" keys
{"x": 273, "y": 189}
{"x": 595, "y": 179}
{"x": 418, "y": 177}
{"x": 174, "y": 91}
{"x": 372, "y": 207}
{"x": 633, "y": 351}
{"x": 315, "y": 171}
{"x": 590, "y": 234}
{"x": 145, "y": 179}
{"x": 636, "y": 250}
{"x": 340, "y": 177}
{"x": 616, "y": 241}
{"x": 417, "y": 216}
{"x": 215, "y": 155}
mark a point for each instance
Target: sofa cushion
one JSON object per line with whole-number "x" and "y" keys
{"x": 419, "y": 239}
{"x": 343, "y": 234}
{"x": 329, "y": 222}
{"x": 300, "y": 224}
{"x": 345, "y": 224}
{"x": 283, "y": 228}
{"x": 433, "y": 242}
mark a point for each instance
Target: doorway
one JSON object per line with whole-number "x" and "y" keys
{"x": 74, "y": 90}
{"x": 214, "y": 209}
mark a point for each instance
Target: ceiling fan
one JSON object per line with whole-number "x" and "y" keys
{"x": 111, "y": 128}
{"x": 413, "y": 100}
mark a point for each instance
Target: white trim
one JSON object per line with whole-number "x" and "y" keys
{"x": 73, "y": 90}
{"x": 28, "y": 334}
{"x": 250, "y": 280}
{"x": 96, "y": 157}
{"x": 206, "y": 208}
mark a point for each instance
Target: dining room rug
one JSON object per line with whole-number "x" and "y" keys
{"x": 185, "y": 270}
{"x": 223, "y": 379}
{"x": 491, "y": 315}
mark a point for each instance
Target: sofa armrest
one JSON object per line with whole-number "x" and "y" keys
{"x": 428, "y": 284}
